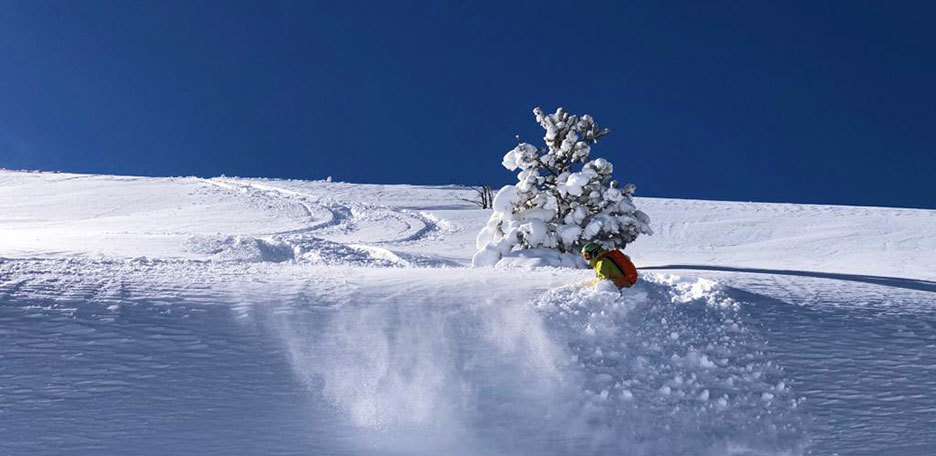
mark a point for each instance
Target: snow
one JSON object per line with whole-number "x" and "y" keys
{"x": 260, "y": 316}
{"x": 535, "y": 231}
{"x": 487, "y": 256}
{"x": 506, "y": 197}
{"x": 575, "y": 181}
{"x": 537, "y": 258}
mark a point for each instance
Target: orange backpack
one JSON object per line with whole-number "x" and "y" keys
{"x": 625, "y": 265}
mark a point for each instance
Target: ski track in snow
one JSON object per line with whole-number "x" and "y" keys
{"x": 364, "y": 231}
{"x": 394, "y": 226}
{"x": 353, "y": 334}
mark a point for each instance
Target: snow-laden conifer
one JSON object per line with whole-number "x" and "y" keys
{"x": 562, "y": 198}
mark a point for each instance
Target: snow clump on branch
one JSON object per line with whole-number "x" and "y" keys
{"x": 553, "y": 209}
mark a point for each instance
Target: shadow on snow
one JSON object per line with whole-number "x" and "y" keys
{"x": 897, "y": 282}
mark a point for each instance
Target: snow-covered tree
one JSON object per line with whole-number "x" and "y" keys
{"x": 562, "y": 198}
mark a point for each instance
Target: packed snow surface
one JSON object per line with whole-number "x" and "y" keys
{"x": 229, "y": 316}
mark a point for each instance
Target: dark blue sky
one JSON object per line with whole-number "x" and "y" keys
{"x": 823, "y": 102}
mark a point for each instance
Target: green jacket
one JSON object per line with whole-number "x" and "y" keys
{"x": 604, "y": 268}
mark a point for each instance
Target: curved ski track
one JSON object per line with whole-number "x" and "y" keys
{"x": 357, "y": 225}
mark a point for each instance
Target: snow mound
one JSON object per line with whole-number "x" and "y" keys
{"x": 534, "y": 258}
{"x": 241, "y": 248}
{"x": 314, "y": 250}
{"x": 673, "y": 354}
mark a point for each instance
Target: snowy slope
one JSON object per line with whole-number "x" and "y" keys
{"x": 834, "y": 239}
{"x": 257, "y": 316}
{"x": 49, "y": 215}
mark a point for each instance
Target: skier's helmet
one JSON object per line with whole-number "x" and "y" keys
{"x": 591, "y": 249}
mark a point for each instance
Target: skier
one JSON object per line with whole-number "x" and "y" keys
{"x": 610, "y": 265}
